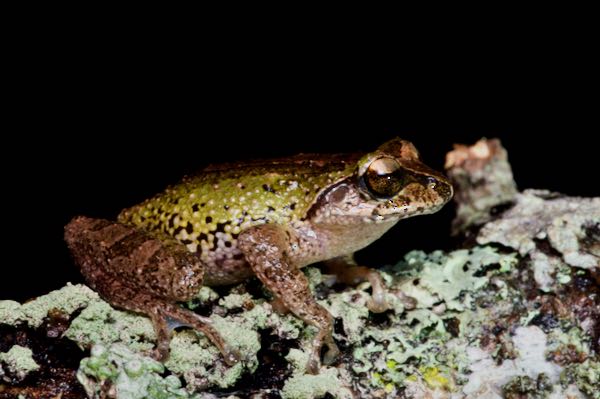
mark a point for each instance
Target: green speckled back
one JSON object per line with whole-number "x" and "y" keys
{"x": 208, "y": 211}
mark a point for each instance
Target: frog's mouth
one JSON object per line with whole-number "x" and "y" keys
{"x": 413, "y": 200}
{"x": 399, "y": 213}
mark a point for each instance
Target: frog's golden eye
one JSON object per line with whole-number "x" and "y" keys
{"x": 384, "y": 178}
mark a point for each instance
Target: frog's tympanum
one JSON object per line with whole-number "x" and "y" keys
{"x": 266, "y": 219}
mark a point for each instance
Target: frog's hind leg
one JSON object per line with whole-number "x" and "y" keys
{"x": 144, "y": 273}
{"x": 165, "y": 317}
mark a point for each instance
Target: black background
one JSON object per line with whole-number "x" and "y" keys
{"x": 89, "y": 133}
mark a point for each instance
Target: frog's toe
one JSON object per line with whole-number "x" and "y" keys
{"x": 331, "y": 355}
{"x": 377, "y": 303}
{"x": 314, "y": 364}
{"x": 160, "y": 353}
{"x": 408, "y": 302}
{"x": 232, "y": 356}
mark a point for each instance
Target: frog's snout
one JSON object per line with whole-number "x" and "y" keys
{"x": 442, "y": 187}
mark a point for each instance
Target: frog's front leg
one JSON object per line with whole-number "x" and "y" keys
{"x": 143, "y": 273}
{"x": 269, "y": 250}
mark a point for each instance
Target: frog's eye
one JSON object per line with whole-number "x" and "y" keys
{"x": 384, "y": 178}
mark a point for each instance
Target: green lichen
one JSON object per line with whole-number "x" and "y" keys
{"x": 314, "y": 277}
{"x": 200, "y": 363}
{"x": 234, "y": 301}
{"x": 416, "y": 345}
{"x": 525, "y": 386}
{"x": 459, "y": 298}
{"x": 571, "y": 339}
{"x": 586, "y": 376}
{"x": 204, "y": 296}
{"x": 315, "y": 386}
{"x": 99, "y": 323}
{"x": 128, "y": 374}
{"x": 457, "y": 274}
{"x": 66, "y": 300}
{"x": 242, "y": 334}
{"x": 10, "y": 313}
{"x": 17, "y": 362}
{"x": 190, "y": 350}
{"x": 298, "y": 360}
{"x": 563, "y": 275}
{"x": 351, "y": 308}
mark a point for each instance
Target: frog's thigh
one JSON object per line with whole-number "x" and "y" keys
{"x": 155, "y": 264}
{"x": 144, "y": 273}
{"x": 347, "y": 272}
{"x": 266, "y": 249}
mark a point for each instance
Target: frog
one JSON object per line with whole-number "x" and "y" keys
{"x": 265, "y": 218}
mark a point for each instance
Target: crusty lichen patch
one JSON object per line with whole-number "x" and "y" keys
{"x": 99, "y": 323}
{"x": 473, "y": 328}
{"x": 543, "y": 216}
{"x": 127, "y": 375}
{"x": 17, "y": 363}
{"x": 315, "y": 386}
{"x": 67, "y": 300}
{"x": 586, "y": 376}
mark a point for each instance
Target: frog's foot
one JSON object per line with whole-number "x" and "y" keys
{"x": 166, "y": 315}
{"x": 202, "y": 324}
{"x": 347, "y": 272}
{"x": 266, "y": 248}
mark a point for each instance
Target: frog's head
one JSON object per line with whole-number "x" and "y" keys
{"x": 388, "y": 184}
{"x": 398, "y": 185}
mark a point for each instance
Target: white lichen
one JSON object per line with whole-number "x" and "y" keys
{"x": 540, "y": 215}
{"x": 487, "y": 377}
{"x": 315, "y": 386}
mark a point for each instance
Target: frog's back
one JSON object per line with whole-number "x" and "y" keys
{"x": 208, "y": 211}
